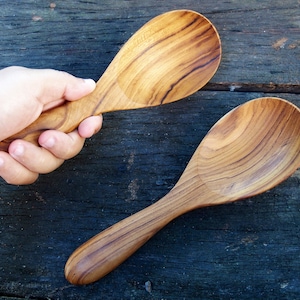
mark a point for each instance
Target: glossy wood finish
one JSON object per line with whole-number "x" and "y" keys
{"x": 169, "y": 58}
{"x": 247, "y": 152}
{"x": 243, "y": 250}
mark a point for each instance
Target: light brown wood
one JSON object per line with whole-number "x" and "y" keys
{"x": 250, "y": 150}
{"x": 169, "y": 58}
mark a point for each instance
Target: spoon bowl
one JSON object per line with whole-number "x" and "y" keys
{"x": 257, "y": 149}
{"x": 251, "y": 149}
{"x": 169, "y": 58}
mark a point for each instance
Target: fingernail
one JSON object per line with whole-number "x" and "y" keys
{"x": 90, "y": 82}
{"x": 49, "y": 143}
{"x": 18, "y": 150}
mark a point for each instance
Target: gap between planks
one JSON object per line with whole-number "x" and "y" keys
{"x": 253, "y": 87}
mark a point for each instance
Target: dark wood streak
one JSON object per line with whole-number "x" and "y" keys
{"x": 104, "y": 97}
{"x": 196, "y": 21}
{"x": 172, "y": 35}
{"x": 188, "y": 74}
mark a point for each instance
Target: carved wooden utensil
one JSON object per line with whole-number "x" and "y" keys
{"x": 169, "y": 58}
{"x": 250, "y": 150}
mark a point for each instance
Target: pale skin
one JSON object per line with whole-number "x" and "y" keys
{"x": 24, "y": 95}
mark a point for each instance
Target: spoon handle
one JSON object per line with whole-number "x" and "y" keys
{"x": 108, "y": 249}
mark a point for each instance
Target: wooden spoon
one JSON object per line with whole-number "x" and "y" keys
{"x": 250, "y": 150}
{"x": 169, "y": 58}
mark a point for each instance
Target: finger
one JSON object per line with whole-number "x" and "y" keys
{"x": 35, "y": 159}
{"x": 15, "y": 173}
{"x": 90, "y": 126}
{"x": 78, "y": 87}
{"x": 62, "y": 145}
{"x": 57, "y": 86}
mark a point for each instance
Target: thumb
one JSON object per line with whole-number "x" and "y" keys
{"x": 58, "y": 86}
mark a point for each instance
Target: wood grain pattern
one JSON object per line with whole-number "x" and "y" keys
{"x": 169, "y": 58}
{"x": 247, "y": 152}
{"x": 244, "y": 250}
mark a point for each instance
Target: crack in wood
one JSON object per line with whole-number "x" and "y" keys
{"x": 10, "y": 296}
{"x": 248, "y": 9}
{"x": 253, "y": 87}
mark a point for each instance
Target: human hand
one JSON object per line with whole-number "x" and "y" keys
{"x": 24, "y": 95}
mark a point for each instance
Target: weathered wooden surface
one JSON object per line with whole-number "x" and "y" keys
{"x": 245, "y": 250}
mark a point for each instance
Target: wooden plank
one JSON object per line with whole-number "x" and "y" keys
{"x": 260, "y": 40}
{"x": 245, "y": 250}
{"x": 250, "y": 245}
{"x": 253, "y": 87}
